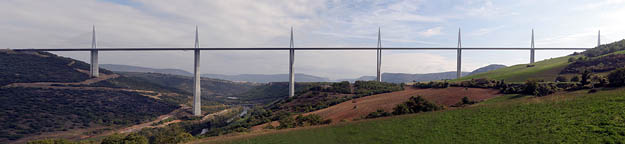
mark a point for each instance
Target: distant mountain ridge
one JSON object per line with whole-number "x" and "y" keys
{"x": 265, "y": 78}
{"x": 404, "y": 77}
{"x": 487, "y": 68}
{"x": 128, "y": 68}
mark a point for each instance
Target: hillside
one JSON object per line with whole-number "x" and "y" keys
{"x": 212, "y": 89}
{"x": 600, "y": 60}
{"x": 32, "y": 111}
{"x": 546, "y": 70}
{"x": 487, "y": 68}
{"x": 20, "y": 67}
{"x": 45, "y": 94}
{"x": 571, "y": 117}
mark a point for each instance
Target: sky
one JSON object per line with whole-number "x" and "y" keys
{"x": 316, "y": 23}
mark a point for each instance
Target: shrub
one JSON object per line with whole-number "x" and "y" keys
{"x": 575, "y": 79}
{"x": 571, "y": 59}
{"x": 378, "y": 113}
{"x": 561, "y": 79}
{"x": 585, "y": 79}
{"x": 287, "y": 122}
{"x": 401, "y": 109}
{"x": 432, "y": 84}
{"x": 415, "y": 105}
{"x": 534, "y": 88}
{"x": 617, "y": 77}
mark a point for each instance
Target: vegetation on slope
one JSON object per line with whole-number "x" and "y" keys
{"x": 546, "y": 70}
{"x": 575, "y": 117}
{"x": 29, "y": 111}
{"x": 605, "y": 49}
{"x": 22, "y": 67}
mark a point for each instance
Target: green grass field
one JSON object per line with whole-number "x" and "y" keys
{"x": 546, "y": 70}
{"x": 574, "y": 117}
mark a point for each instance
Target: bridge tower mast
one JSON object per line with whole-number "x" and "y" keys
{"x": 379, "y": 54}
{"x": 532, "y": 50}
{"x": 291, "y": 62}
{"x": 94, "y": 72}
{"x": 197, "y": 104}
{"x": 459, "y": 64}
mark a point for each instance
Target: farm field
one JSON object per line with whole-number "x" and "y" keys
{"x": 358, "y": 108}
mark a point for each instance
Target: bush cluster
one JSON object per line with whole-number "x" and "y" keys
{"x": 300, "y": 120}
{"x": 431, "y": 84}
{"x": 378, "y": 113}
{"x": 415, "y": 105}
{"x": 617, "y": 78}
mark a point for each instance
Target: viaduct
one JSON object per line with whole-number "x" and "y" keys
{"x": 196, "y": 78}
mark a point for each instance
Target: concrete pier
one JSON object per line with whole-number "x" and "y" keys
{"x": 95, "y": 68}
{"x": 459, "y": 64}
{"x": 197, "y": 95}
{"x": 379, "y": 54}
{"x": 291, "y": 62}
{"x": 532, "y": 50}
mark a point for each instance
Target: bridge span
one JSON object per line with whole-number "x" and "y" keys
{"x": 196, "y": 72}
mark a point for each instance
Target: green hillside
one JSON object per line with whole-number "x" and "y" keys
{"x": 598, "y": 60}
{"x": 546, "y": 70}
{"x": 575, "y": 117}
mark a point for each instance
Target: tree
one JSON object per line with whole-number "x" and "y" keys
{"x": 465, "y": 100}
{"x": 571, "y": 59}
{"x": 575, "y": 78}
{"x": 585, "y": 77}
{"x": 531, "y": 87}
{"x": 378, "y": 113}
{"x": 401, "y": 109}
{"x": 287, "y": 122}
{"x": 415, "y": 105}
{"x": 617, "y": 77}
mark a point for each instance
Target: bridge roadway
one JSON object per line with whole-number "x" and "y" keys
{"x": 297, "y": 49}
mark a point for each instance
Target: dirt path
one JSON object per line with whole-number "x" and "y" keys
{"x": 212, "y": 115}
{"x": 360, "y": 107}
{"x": 138, "y": 127}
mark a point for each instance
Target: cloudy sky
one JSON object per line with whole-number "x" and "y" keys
{"x": 317, "y": 23}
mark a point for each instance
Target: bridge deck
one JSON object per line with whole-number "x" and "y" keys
{"x": 271, "y": 49}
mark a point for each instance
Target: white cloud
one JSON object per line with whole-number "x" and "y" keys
{"x": 431, "y": 32}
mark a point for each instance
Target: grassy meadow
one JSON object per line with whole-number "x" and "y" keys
{"x": 571, "y": 117}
